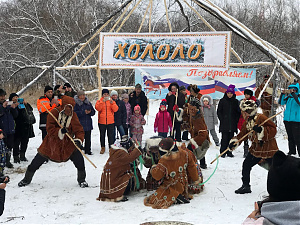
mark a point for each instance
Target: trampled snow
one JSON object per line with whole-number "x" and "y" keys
{"x": 54, "y": 196}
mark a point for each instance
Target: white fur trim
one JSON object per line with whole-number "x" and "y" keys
{"x": 152, "y": 142}
{"x": 234, "y": 140}
{"x": 60, "y": 134}
{"x": 179, "y": 114}
{"x": 165, "y": 150}
{"x": 261, "y": 134}
{"x": 193, "y": 142}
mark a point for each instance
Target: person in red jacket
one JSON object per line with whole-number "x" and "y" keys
{"x": 106, "y": 108}
{"x": 248, "y": 96}
{"x": 163, "y": 122}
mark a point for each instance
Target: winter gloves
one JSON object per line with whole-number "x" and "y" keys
{"x": 257, "y": 129}
{"x": 64, "y": 130}
{"x": 175, "y": 108}
{"x": 78, "y": 144}
{"x": 233, "y": 144}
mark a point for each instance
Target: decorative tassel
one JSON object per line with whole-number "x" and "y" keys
{"x": 142, "y": 162}
{"x": 136, "y": 177}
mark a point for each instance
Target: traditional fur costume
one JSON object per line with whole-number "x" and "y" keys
{"x": 175, "y": 167}
{"x": 117, "y": 173}
{"x": 195, "y": 124}
{"x": 266, "y": 98}
{"x": 57, "y": 146}
{"x": 264, "y": 144}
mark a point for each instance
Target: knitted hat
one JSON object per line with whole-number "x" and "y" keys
{"x": 56, "y": 87}
{"x": 193, "y": 87}
{"x": 173, "y": 84}
{"x": 249, "y": 106}
{"x": 47, "y": 88}
{"x": 166, "y": 146}
{"x": 284, "y": 178}
{"x": 163, "y": 102}
{"x": 2, "y": 92}
{"x": 105, "y": 91}
{"x": 113, "y": 92}
{"x": 137, "y": 107}
{"x": 12, "y": 95}
{"x": 1, "y": 131}
{"x": 231, "y": 89}
{"x": 138, "y": 86}
{"x": 80, "y": 93}
{"x": 182, "y": 88}
{"x": 248, "y": 92}
{"x": 125, "y": 96}
{"x": 126, "y": 142}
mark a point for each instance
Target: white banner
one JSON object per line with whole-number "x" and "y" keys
{"x": 165, "y": 50}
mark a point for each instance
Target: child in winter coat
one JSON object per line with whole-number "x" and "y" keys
{"x": 136, "y": 124}
{"x": 210, "y": 117}
{"x": 125, "y": 98}
{"x": 163, "y": 121}
{"x": 3, "y": 151}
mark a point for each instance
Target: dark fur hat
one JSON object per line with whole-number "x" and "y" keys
{"x": 166, "y": 146}
{"x": 126, "y": 142}
{"x": 193, "y": 87}
{"x": 248, "y": 92}
{"x": 173, "y": 84}
{"x": 284, "y": 178}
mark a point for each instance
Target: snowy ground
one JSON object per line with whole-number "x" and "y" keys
{"x": 54, "y": 196}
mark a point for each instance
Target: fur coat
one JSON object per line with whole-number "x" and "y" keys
{"x": 175, "y": 170}
{"x": 116, "y": 173}
{"x": 57, "y": 146}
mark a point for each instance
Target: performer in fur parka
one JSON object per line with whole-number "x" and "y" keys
{"x": 194, "y": 122}
{"x": 264, "y": 144}
{"x": 56, "y": 146}
{"x": 175, "y": 167}
{"x": 117, "y": 178}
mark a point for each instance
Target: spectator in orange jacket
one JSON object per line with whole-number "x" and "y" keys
{"x": 50, "y": 103}
{"x": 106, "y": 108}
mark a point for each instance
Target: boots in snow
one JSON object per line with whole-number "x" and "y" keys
{"x": 181, "y": 199}
{"x": 27, "y": 179}
{"x": 81, "y": 178}
{"x": 22, "y": 157}
{"x": 16, "y": 159}
{"x": 203, "y": 164}
{"x": 8, "y": 163}
{"x": 102, "y": 150}
{"x": 243, "y": 190}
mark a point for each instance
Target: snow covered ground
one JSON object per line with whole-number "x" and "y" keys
{"x": 54, "y": 196}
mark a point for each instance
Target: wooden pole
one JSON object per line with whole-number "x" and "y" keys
{"x": 174, "y": 113}
{"x": 245, "y": 136}
{"x": 69, "y": 137}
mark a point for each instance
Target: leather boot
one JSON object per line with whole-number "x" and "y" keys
{"x": 22, "y": 157}
{"x": 81, "y": 178}
{"x": 16, "y": 159}
{"x": 102, "y": 150}
{"x": 27, "y": 179}
{"x": 243, "y": 190}
{"x": 8, "y": 163}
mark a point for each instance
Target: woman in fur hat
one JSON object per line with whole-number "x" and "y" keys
{"x": 282, "y": 206}
{"x": 175, "y": 167}
{"x": 264, "y": 144}
{"x": 174, "y": 107}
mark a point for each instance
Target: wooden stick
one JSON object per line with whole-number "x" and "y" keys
{"x": 261, "y": 92}
{"x": 172, "y": 133}
{"x": 246, "y": 136}
{"x": 69, "y": 137}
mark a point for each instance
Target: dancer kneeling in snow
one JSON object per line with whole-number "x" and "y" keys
{"x": 264, "y": 144}
{"x": 175, "y": 167}
{"x": 56, "y": 146}
{"x": 117, "y": 178}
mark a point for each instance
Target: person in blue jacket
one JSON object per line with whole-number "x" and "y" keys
{"x": 291, "y": 98}
{"x": 85, "y": 110}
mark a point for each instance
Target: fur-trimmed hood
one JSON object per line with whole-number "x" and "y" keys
{"x": 210, "y": 100}
{"x": 79, "y": 102}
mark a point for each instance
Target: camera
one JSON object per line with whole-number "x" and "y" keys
{"x": 3, "y": 178}
{"x": 107, "y": 98}
{"x": 21, "y": 103}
